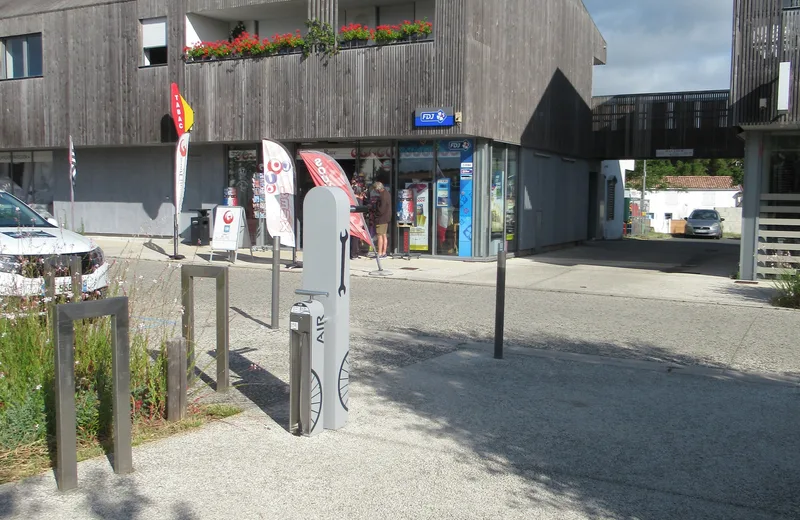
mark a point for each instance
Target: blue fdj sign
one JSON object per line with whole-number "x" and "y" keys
{"x": 434, "y": 117}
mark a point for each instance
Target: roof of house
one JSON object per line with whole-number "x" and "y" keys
{"x": 15, "y": 8}
{"x": 703, "y": 182}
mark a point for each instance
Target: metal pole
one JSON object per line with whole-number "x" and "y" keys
{"x": 500, "y": 304}
{"x": 121, "y": 386}
{"x": 644, "y": 189}
{"x": 223, "y": 331}
{"x": 66, "y": 436}
{"x": 276, "y": 281}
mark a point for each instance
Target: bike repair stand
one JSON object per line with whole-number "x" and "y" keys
{"x": 326, "y": 275}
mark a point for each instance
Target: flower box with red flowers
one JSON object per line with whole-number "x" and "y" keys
{"x": 354, "y": 35}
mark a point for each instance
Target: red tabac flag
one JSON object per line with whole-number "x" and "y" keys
{"x": 325, "y": 171}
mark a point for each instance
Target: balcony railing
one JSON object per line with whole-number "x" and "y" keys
{"x": 319, "y": 38}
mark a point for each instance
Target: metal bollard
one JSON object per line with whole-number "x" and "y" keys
{"x": 64, "y": 360}
{"x": 276, "y": 282}
{"x": 176, "y": 379}
{"x": 500, "y": 304}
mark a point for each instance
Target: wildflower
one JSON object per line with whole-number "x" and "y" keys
{"x": 35, "y": 426}
{"x": 2, "y": 375}
{"x": 38, "y": 387}
{"x": 77, "y": 362}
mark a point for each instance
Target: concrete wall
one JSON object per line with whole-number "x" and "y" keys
{"x": 733, "y": 219}
{"x": 553, "y": 200}
{"x": 129, "y": 191}
{"x": 201, "y": 28}
{"x": 682, "y": 203}
{"x": 612, "y": 228}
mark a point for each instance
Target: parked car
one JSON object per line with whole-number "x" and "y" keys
{"x": 704, "y": 223}
{"x": 30, "y": 242}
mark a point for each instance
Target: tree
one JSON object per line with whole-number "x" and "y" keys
{"x": 657, "y": 169}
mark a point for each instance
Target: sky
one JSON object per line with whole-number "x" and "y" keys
{"x": 663, "y": 46}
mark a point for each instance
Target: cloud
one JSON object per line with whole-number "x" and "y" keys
{"x": 657, "y": 46}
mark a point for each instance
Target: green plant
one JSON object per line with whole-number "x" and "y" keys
{"x": 237, "y": 31}
{"x": 354, "y": 31}
{"x": 319, "y": 38}
{"x": 417, "y": 28}
{"x": 788, "y": 287}
{"x": 384, "y": 34}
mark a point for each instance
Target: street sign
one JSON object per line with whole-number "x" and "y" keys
{"x": 667, "y": 154}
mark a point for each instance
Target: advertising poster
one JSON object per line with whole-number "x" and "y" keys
{"x": 228, "y": 225}
{"x": 443, "y": 193}
{"x": 405, "y": 207}
{"x": 418, "y": 240}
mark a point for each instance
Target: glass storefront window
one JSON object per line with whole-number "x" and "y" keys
{"x": 511, "y": 199}
{"x": 29, "y": 176}
{"x": 415, "y": 171}
{"x": 448, "y": 196}
{"x": 243, "y": 163}
{"x": 497, "y": 197}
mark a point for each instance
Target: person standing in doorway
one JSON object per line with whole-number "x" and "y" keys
{"x": 383, "y": 216}
{"x": 359, "y": 190}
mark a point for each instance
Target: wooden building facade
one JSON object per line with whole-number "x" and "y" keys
{"x": 517, "y": 100}
{"x": 765, "y": 105}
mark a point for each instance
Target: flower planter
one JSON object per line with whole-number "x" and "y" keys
{"x": 419, "y": 37}
{"x": 354, "y": 44}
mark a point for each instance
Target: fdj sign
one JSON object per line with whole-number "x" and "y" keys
{"x": 434, "y": 117}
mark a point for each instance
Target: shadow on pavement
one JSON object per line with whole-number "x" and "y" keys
{"x": 678, "y": 255}
{"x": 608, "y": 440}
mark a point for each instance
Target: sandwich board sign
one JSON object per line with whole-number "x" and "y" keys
{"x": 230, "y": 231}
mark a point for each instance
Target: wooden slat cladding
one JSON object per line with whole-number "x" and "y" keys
{"x": 92, "y": 86}
{"x": 635, "y": 126}
{"x": 198, "y": 6}
{"x": 764, "y": 35}
{"x": 325, "y": 11}
{"x": 529, "y": 73}
{"x": 368, "y": 92}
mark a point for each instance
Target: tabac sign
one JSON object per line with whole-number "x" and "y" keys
{"x": 182, "y": 113}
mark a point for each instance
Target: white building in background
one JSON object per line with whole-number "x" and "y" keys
{"x": 614, "y": 173}
{"x": 686, "y": 194}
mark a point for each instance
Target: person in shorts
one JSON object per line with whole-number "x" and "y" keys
{"x": 383, "y": 216}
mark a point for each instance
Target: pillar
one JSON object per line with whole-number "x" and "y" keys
{"x": 751, "y": 203}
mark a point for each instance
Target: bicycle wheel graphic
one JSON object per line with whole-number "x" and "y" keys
{"x": 344, "y": 381}
{"x": 316, "y": 400}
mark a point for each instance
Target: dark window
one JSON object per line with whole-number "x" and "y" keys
{"x": 21, "y": 56}
{"x": 667, "y": 216}
{"x": 156, "y": 56}
{"x": 154, "y": 41}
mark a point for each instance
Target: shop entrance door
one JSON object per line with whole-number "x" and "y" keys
{"x": 415, "y": 171}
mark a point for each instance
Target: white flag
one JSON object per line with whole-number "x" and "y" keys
{"x": 181, "y": 158}
{"x": 278, "y": 190}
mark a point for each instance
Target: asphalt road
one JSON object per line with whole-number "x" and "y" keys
{"x": 742, "y": 338}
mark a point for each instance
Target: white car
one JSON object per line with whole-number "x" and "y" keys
{"x": 30, "y": 242}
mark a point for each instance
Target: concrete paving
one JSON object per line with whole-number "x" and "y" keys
{"x": 677, "y": 269}
{"x": 466, "y": 436}
{"x": 607, "y": 406}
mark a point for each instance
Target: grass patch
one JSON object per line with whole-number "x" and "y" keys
{"x": 35, "y": 458}
{"x": 652, "y": 235}
{"x": 788, "y": 287}
{"x": 733, "y": 236}
{"x": 27, "y": 386}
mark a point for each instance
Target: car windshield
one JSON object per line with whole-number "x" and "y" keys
{"x": 704, "y": 215}
{"x": 15, "y": 214}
